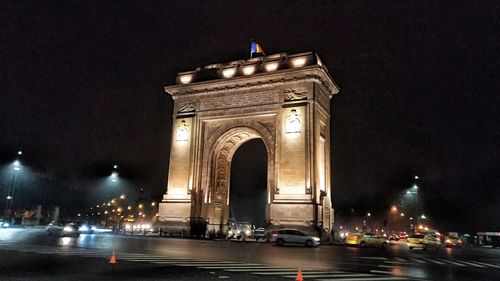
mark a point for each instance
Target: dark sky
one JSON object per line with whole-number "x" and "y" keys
{"x": 82, "y": 88}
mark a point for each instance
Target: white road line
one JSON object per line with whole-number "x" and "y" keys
{"x": 452, "y": 262}
{"x": 336, "y": 276}
{"x": 419, "y": 261}
{"x": 487, "y": 264}
{"x": 262, "y": 272}
{"x": 251, "y": 269}
{"x": 256, "y": 267}
{"x": 400, "y": 259}
{"x": 435, "y": 261}
{"x": 473, "y": 264}
{"x": 389, "y": 266}
{"x": 396, "y": 262}
{"x": 366, "y": 279}
{"x": 372, "y": 258}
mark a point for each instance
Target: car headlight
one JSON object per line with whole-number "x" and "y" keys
{"x": 93, "y": 228}
{"x": 230, "y": 232}
{"x": 316, "y": 239}
{"x": 5, "y": 224}
{"x": 83, "y": 228}
{"x": 448, "y": 241}
{"x": 248, "y": 232}
{"x": 238, "y": 231}
{"x": 67, "y": 229}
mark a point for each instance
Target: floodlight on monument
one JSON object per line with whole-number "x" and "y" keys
{"x": 298, "y": 62}
{"x": 271, "y": 66}
{"x": 185, "y": 79}
{"x": 228, "y": 72}
{"x": 248, "y": 70}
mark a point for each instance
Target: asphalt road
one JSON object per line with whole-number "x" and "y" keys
{"x": 30, "y": 254}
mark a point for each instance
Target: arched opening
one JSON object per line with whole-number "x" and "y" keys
{"x": 248, "y": 183}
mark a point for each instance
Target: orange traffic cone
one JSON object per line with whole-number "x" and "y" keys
{"x": 299, "y": 276}
{"x": 112, "y": 260}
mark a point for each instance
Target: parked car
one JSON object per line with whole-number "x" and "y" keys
{"x": 452, "y": 241}
{"x": 292, "y": 236}
{"x": 63, "y": 229}
{"x": 259, "y": 233}
{"x": 424, "y": 241}
{"x": 394, "y": 237}
{"x": 366, "y": 240}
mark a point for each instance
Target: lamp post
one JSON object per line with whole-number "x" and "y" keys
{"x": 16, "y": 168}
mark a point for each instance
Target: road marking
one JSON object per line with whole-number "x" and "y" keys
{"x": 396, "y": 262}
{"x": 435, "y": 261}
{"x": 419, "y": 261}
{"x": 473, "y": 264}
{"x": 487, "y": 264}
{"x": 389, "y": 266}
{"x": 365, "y": 279}
{"x": 231, "y": 267}
{"x": 262, "y": 272}
{"x": 400, "y": 259}
{"x": 250, "y": 269}
{"x": 224, "y": 277}
{"x": 372, "y": 258}
{"x": 332, "y": 275}
{"x": 452, "y": 262}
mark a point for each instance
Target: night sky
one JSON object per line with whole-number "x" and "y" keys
{"x": 81, "y": 88}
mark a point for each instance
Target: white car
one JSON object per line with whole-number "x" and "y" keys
{"x": 60, "y": 229}
{"x": 292, "y": 236}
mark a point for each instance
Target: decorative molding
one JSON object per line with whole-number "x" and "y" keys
{"x": 186, "y": 108}
{"x": 293, "y": 95}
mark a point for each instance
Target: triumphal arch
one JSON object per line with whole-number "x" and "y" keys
{"x": 282, "y": 99}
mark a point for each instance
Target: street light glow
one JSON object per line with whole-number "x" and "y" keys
{"x": 415, "y": 186}
{"x": 20, "y": 152}
{"x": 416, "y": 177}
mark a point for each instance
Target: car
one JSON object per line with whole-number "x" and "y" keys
{"x": 366, "y": 240}
{"x": 452, "y": 241}
{"x": 63, "y": 229}
{"x": 394, "y": 237}
{"x": 292, "y": 236}
{"x": 425, "y": 242}
{"x": 4, "y": 224}
{"x": 85, "y": 228}
{"x": 259, "y": 233}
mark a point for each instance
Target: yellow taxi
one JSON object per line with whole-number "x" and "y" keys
{"x": 425, "y": 242}
{"x": 366, "y": 240}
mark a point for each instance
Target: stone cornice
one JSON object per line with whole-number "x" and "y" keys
{"x": 313, "y": 73}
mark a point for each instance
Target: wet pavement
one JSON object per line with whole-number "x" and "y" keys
{"x": 151, "y": 257}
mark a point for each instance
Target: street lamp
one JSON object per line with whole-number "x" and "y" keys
{"x": 16, "y": 167}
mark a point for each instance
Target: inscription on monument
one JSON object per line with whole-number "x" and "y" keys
{"x": 239, "y": 100}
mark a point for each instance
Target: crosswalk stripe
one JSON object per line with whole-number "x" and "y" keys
{"x": 263, "y": 272}
{"x": 365, "y": 279}
{"x": 487, "y": 264}
{"x": 247, "y": 269}
{"x": 419, "y": 261}
{"x": 435, "y": 261}
{"x": 372, "y": 258}
{"x": 452, "y": 262}
{"x": 332, "y": 275}
{"x": 473, "y": 264}
{"x": 231, "y": 267}
{"x": 396, "y": 262}
{"x": 389, "y": 266}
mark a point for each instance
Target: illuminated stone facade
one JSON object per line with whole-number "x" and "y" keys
{"x": 283, "y": 100}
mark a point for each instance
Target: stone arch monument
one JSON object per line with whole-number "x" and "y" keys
{"x": 283, "y": 100}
